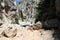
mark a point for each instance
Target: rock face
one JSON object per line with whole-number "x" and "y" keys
{"x": 20, "y": 13}
{"x": 28, "y": 10}
{"x": 24, "y": 12}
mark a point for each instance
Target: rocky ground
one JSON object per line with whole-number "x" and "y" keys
{"x": 9, "y": 31}
{"x": 16, "y": 32}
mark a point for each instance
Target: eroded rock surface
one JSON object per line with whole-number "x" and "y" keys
{"x": 16, "y": 32}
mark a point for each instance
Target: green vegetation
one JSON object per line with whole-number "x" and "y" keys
{"x": 46, "y": 10}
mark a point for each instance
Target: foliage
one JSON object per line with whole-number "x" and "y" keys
{"x": 46, "y": 10}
